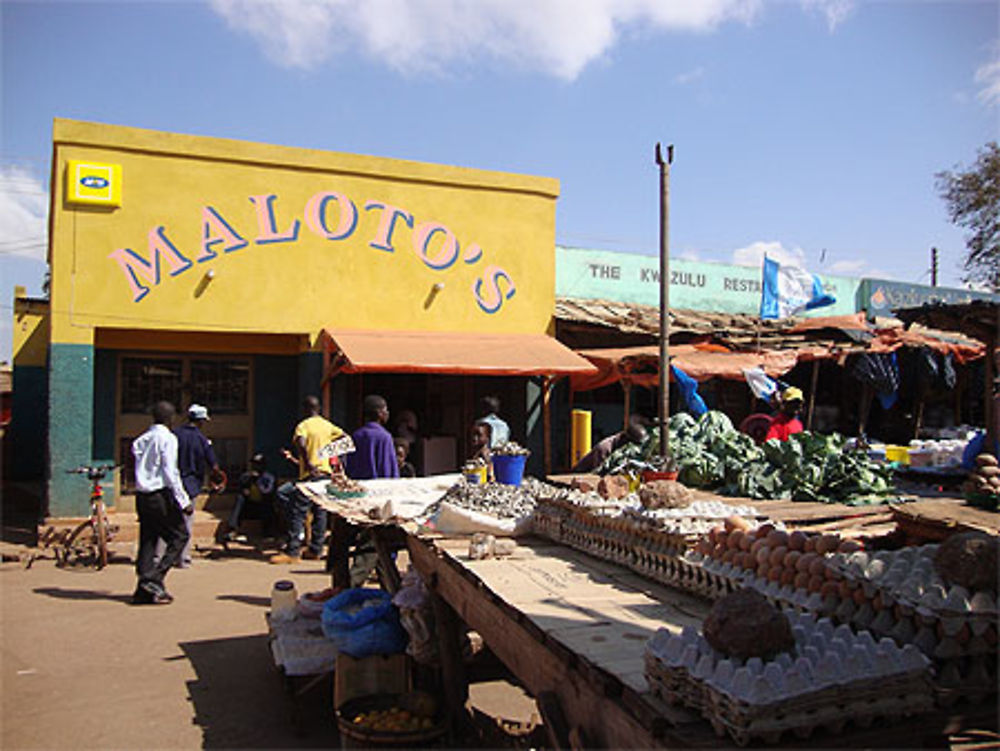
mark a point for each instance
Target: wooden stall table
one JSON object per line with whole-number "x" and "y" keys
{"x": 573, "y": 630}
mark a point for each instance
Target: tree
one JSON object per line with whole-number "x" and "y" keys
{"x": 973, "y": 200}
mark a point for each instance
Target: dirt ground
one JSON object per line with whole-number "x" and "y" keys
{"x": 80, "y": 667}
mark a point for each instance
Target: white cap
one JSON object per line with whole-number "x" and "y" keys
{"x": 198, "y": 412}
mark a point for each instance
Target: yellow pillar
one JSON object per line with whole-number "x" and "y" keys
{"x": 580, "y": 431}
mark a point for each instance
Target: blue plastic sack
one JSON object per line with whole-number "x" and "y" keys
{"x": 363, "y": 622}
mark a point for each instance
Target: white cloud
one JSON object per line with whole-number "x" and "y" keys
{"x": 988, "y": 78}
{"x": 559, "y": 37}
{"x": 753, "y": 254}
{"x": 24, "y": 207}
{"x": 835, "y": 11}
{"x": 690, "y": 76}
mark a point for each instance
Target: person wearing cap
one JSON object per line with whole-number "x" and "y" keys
{"x": 786, "y": 422}
{"x": 194, "y": 458}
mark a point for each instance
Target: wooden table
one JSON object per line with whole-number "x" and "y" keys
{"x": 573, "y": 630}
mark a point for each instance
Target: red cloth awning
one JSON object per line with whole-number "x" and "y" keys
{"x": 461, "y": 353}
{"x": 640, "y": 365}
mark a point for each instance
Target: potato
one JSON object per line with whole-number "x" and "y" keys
{"x": 774, "y": 573}
{"x": 763, "y": 555}
{"x": 729, "y": 556}
{"x": 791, "y": 559}
{"x": 759, "y": 543}
{"x": 815, "y": 584}
{"x": 804, "y": 561}
{"x": 787, "y": 576}
{"x": 746, "y": 541}
{"x": 801, "y": 580}
{"x": 832, "y": 574}
{"x": 845, "y": 591}
{"x": 762, "y": 571}
{"x": 859, "y": 597}
{"x": 986, "y": 460}
{"x": 829, "y": 588}
{"x": 718, "y": 551}
{"x": 764, "y": 530}
{"x": 810, "y": 545}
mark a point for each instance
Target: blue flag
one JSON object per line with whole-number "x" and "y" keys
{"x": 688, "y": 387}
{"x": 789, "y": 289}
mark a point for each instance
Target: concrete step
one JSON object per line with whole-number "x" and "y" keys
{"x": 203, "y": 525}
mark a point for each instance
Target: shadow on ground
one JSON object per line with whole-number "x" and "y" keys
{"x": 240, "y": 699}
{"x": 62, "y": 593}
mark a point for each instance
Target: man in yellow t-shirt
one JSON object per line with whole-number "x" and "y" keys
{"x": 310, "y": 437}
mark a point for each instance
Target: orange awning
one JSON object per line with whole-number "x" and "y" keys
{"x": 452, "y": 352}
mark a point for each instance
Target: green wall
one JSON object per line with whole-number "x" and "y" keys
{"x": 105, "y": 378}
{"x": 29, "y": 420}
{"x": 71, "y": 427}
{"x": 276, "y": 408}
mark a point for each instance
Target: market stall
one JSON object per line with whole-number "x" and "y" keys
{"x": 601, "y": 604}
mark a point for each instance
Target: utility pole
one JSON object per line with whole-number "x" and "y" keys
{"x": 934, "y": 265}
{"x": 664, "y": 411}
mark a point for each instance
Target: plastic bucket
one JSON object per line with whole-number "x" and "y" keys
{"x": 509, "y": 470}
{"x": 475, "y": 476}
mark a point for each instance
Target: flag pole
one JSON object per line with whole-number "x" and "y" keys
{"x": 664, "y": 411}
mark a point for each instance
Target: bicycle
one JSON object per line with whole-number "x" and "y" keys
{"x": 87, "y": 543}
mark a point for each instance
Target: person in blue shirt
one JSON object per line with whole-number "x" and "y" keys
{"x": 195, "y": 457}
{"x": 374, "y": 457}
{"x": 374, "y": 454}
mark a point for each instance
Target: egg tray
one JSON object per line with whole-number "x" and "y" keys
{"x": 965, "y": 663}
{"x": 832, "y": 677}
{"x": 646, "y": 548}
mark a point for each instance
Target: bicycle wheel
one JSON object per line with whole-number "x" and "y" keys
{"x": 101, "y": 534}
{"x": 80, "y": 545}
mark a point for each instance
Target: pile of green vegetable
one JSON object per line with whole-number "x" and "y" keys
{"x": 710, "y": 453}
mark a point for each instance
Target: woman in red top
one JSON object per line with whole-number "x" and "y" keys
{"x": 786, "y": 422}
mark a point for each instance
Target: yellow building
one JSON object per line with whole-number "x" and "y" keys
{"x": 245, "y": 276}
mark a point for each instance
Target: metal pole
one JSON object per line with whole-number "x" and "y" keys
{"x": 664, "y": 412}
{"x": 934, "y": 266}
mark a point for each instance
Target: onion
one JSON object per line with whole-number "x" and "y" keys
{"x": 791, "y": 559}
{"x": 764, "y": 530}
{"x": 759, "y": 543}
{"x": 817, "y": 566}
{"x": 810, "y": 544}
{"x": 734, "y": 539}
{"x": 746, "y": 541}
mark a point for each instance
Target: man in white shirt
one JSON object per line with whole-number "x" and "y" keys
{"x": 161, "y": 502}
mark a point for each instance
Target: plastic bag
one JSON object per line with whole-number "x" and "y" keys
{"x": 363, "y": 622}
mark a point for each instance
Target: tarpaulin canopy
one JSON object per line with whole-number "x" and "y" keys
{"x": 640, "y": 365}
{"x": 462, "y": 353}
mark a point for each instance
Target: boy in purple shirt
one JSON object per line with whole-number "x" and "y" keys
{"x": 374, "y": 453}
{"x": 374, "y": 457}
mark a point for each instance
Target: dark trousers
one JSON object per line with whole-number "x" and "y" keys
{"x": 160, "y": 518}
{"x": 295, "y": 505}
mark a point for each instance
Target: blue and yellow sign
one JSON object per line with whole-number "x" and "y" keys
{"x": 94, "y": 184}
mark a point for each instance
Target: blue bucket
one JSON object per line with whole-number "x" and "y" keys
{"x": 509, "y": 469}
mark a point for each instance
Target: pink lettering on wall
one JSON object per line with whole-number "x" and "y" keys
{"x": 315, "y": 215}
{"x": 387, "y": 224}
{"x": 216, "y": 230}
{"x": 488, "y": 289}
{"x": 446, "y": 254}
{"x": 267, "y": 229}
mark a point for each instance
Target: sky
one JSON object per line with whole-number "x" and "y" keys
{"x": 808, "y": 129}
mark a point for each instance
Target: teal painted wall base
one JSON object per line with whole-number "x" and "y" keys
{"x": 71, "y": 424}
{"x": 29, "y": 419}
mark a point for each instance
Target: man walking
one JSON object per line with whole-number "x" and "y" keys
{"x": 161, "y": 503}
{"x": 194, "y": 457}
{"x": 311, "y": 435}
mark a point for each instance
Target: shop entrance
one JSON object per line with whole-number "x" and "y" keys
{"x": 221, "y": 383}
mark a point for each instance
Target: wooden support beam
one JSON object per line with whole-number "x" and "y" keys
{"x": 387, "y": 571}
{"x": 455, "y": 682}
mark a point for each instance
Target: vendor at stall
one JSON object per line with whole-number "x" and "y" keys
{"x": 786, "y": 422}
{"x": 634, "y": 433}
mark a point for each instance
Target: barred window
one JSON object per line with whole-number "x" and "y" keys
{"x": 222, "y": 385}
{"x": 147, "y": 381}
